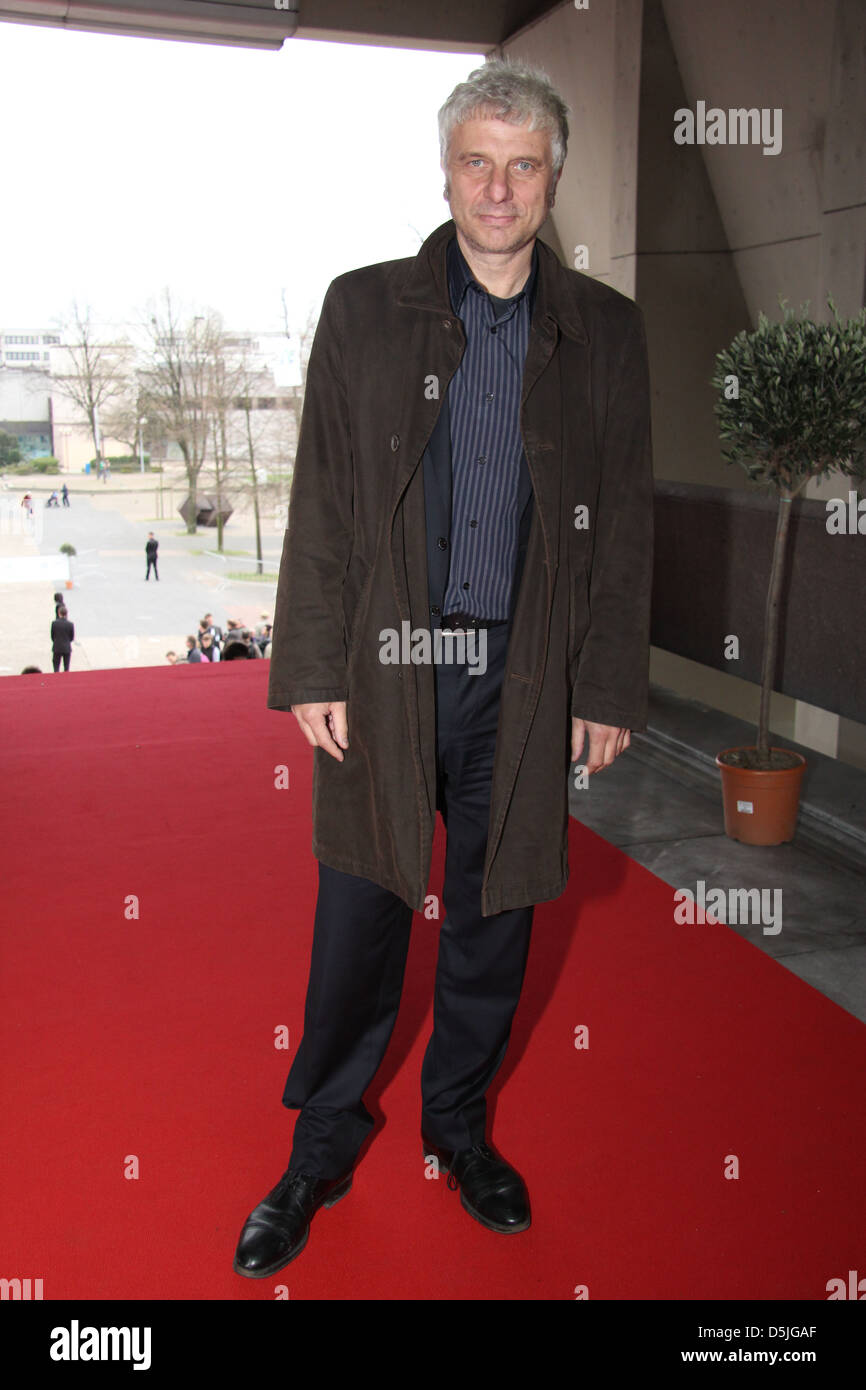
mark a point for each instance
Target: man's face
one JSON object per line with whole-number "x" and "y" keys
{"x": 499, "y": 183}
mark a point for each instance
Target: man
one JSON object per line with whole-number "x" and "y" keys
{"x": 215, "y": 632}
{"x": 474, "y": 460}
{"x": 62, "y": 637}
{"x": 192, "y": 650}
{"x": 150, "y": 549}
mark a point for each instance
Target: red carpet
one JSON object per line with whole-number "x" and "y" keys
{"x": 153, "y": 1036}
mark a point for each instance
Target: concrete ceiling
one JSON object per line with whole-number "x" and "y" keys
{"x": 455, "y": 25}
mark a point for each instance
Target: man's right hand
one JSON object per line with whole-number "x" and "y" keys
{"x": 324, "y": 726}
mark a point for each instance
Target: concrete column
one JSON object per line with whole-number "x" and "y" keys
{"x": 592, "y": 56}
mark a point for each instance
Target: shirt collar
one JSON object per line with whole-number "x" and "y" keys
{"x": 460, "y": 277}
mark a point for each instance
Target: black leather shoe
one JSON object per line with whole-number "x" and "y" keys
{"x": 490, "y": 1189}
{"x": 278, "y": 1229}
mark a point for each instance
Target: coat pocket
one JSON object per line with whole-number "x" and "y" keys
{"x": 578, "y": 619}
{"x": 356, "y": 593}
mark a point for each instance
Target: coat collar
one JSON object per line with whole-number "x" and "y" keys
{"x": 557, "y": 294}
{"x": 460, "y": 278}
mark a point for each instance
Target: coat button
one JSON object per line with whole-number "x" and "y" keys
{"x": 441, "y": 542}
{"x": 446, "y": 323}
{"x": 395, "y": 443}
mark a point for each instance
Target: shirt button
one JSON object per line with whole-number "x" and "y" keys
{"x": 466, "y": 584}
{"x": 441, "y": 542}
{"x": 494, "y": 329}
{"x": 436, "y": 609}
{"x": 473, "y": 523}
{"x": 395, "y": 443}
{"x": 489, "y": 397}
{"x": 481, "y": 460}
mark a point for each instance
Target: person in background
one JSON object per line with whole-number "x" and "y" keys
{"x": 58, "y": 602}
{"x": 62, "y": 637}
{"x": 204, "y": 627}
{"x": 150, "y": 549}
{"x": 237, "y": 643}
{"x": 233, "y": 643}
{"x": 65, "y": 495}
{"x": 172, "y": 658}
{"x": 192, "y": 651}
{"x": 215, "y": 632}
{"x": 209, "y": 650}
{"x": 263, "y": 634}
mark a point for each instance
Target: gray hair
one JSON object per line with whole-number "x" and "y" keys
{"x": 508, "y": 91}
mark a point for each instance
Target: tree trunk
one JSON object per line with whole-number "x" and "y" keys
{"x": 771, "y": 621}
{"x": 220, "y": 478}
{"x": 252, "y": 456}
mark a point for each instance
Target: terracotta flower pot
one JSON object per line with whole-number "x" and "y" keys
{"x": 761, "y": 807}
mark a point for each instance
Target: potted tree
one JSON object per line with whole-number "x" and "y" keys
{"x": 791, "y": 406}
{"x": 67, "y": 549}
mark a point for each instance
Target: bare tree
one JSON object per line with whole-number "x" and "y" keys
{"x": 97, "y": 373}
{"x": 123, "y": 416}
{"x": 248, "y": 427}
{"x": 294, "y": 395}
{"x": 177, "y": 383}
{"x": 227, "y": 383}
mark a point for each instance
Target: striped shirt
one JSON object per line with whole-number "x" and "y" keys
{"x": 486, "y": 445}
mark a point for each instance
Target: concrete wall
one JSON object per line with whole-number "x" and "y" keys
{"x": 593, "y": 58}
{"x": 706, "y": 236}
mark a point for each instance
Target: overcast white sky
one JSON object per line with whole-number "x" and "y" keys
{"x": 227, "y": 174}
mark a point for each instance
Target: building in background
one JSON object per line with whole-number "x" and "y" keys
{"x": 28, "y": 346}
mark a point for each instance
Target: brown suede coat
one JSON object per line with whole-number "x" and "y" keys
{"x": 354, "y": 563}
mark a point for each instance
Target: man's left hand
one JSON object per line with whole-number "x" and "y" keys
{"x": 606, "y": 742}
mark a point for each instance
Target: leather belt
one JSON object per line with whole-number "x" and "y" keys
{"x": 462, "y": 622}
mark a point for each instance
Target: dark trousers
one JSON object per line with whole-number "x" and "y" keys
{"x": 360, "y": 945}
{"x": 155, "y": 570}
{"x": 57, "y": 657}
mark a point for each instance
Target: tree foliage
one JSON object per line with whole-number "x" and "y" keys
{"x": 799, "y": 411}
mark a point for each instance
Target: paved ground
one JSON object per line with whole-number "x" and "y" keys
{"x": 119, "y": 619}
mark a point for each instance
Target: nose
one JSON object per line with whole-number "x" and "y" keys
{"x": 498, "y": 186}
